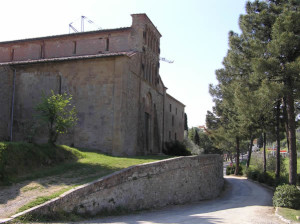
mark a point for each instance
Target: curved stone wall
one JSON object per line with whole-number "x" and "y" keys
{"x": 172, "y": 181}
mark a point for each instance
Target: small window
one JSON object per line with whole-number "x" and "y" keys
{"x": 173, "y": 120}
{"x": 75, "y": 47}
{"x": 170, "y": 108}
{"x": 107, "y": 44}
{"x": 176, "y": 111}
{"x": 12, "y": 55}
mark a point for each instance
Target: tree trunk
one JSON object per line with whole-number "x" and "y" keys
{"x": 230, "y": 156}
{"x": 250, "y": 151}
{"x": 265, "y": 159}
{"x": 285, "y": 122}
{"x": 290, "y": 109}
{"x": 237, "y": 159}
{"x": 277, "y": 173}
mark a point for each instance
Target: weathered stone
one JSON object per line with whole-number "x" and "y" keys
{"x": 173, "y": 181}
{"x": 114, "y": 78}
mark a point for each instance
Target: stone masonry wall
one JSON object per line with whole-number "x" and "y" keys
{"x": 6, "y": 83}
{"x": 172, "y": 181}
{"x": 174, "y": 119}
{"x": 94, "y": 85}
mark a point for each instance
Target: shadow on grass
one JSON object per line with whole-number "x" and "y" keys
{"x": 91, "y": 167}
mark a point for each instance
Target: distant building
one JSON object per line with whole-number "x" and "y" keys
{"x": 202, "y": 128}
{"x": 113, "y": 75}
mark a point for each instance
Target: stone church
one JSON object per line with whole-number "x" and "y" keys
{"x": 113, "y": 76}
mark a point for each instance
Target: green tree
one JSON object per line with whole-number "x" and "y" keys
{"x": 196, "y": 138}
{"x": 58, "y": 113}
{"x": 186, "y": 128}
{"x": 279, "y": 61}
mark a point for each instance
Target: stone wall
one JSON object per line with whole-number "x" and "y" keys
{"x": 120, "y": 97}
{"x": 96, "y": 90}
{"x": 6, "y": 83}
{"x": 174, "y": 119}
{"x": 173, "y": 181}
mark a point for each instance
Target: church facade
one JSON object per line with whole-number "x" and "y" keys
{"x": 113, "y": 76}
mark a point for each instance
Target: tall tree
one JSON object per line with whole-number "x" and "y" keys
{"x": 281, "y": 63}
{"x": 196, "y": 138}
{"x": 186, "y": 128}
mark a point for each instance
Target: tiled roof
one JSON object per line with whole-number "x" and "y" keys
{"x": 126, "y": 53}
{"x": 65, "y": 35}
{"x": 168, "y": 95}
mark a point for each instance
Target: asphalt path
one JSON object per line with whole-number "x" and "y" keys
{"x": 242, "y": 201}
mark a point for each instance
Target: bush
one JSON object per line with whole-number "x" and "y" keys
{"x": 267, "y": 178}
{"x": 231, "y": 169}
{"x": 176, "y": 148}
{"x": 252, "y": 173}
{"x": 287, "y": 196}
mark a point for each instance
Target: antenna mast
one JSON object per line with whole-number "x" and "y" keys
{"x": 83, "y": 18}
{"x": 166, "y": 60}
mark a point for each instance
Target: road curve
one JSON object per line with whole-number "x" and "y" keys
{"x": 242, "y": 202}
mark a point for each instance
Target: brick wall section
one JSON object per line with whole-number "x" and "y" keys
{"x": 88, "y": 43}
{"x": 173, "y": 181}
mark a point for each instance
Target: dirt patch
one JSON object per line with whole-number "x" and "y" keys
{"x": 12, "y": 198}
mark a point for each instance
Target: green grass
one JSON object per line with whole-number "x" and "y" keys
{"x": 71, "y": 167}
{"x": 24, "y": 161}
{"x": 18, "y": 159}
{"x": 43, "y": 199}
{"x": 289, "y": 214}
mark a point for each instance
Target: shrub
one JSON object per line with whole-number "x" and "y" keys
{"x": 252, "y": 173}
{"x": 287, "y": 196}
{"x": 228, "y": 170}
{"x": 271, "y": 164}
{"x": 267, "y": 178}
{"x": 231, "y": 169}
{"x": 176, "y": 148}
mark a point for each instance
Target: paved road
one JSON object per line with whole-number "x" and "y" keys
{"x": 242, "y": 202}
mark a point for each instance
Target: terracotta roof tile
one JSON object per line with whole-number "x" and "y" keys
{"x": 125, "y": 53}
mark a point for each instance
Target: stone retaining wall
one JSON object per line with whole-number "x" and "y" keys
{"x": 173, "y": 181}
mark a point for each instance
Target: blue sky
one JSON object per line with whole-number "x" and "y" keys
{"x": 194, "y": 35}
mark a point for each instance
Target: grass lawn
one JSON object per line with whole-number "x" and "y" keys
{"x": 92, "y": 165}
{"x": 60, "y": 166}
{"x": 289, "y": 214}
{"x": 24, "y": 161}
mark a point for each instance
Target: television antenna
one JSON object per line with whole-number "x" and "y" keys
{"x": 166, "y": 60}
{"x": 83, "y": 18}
